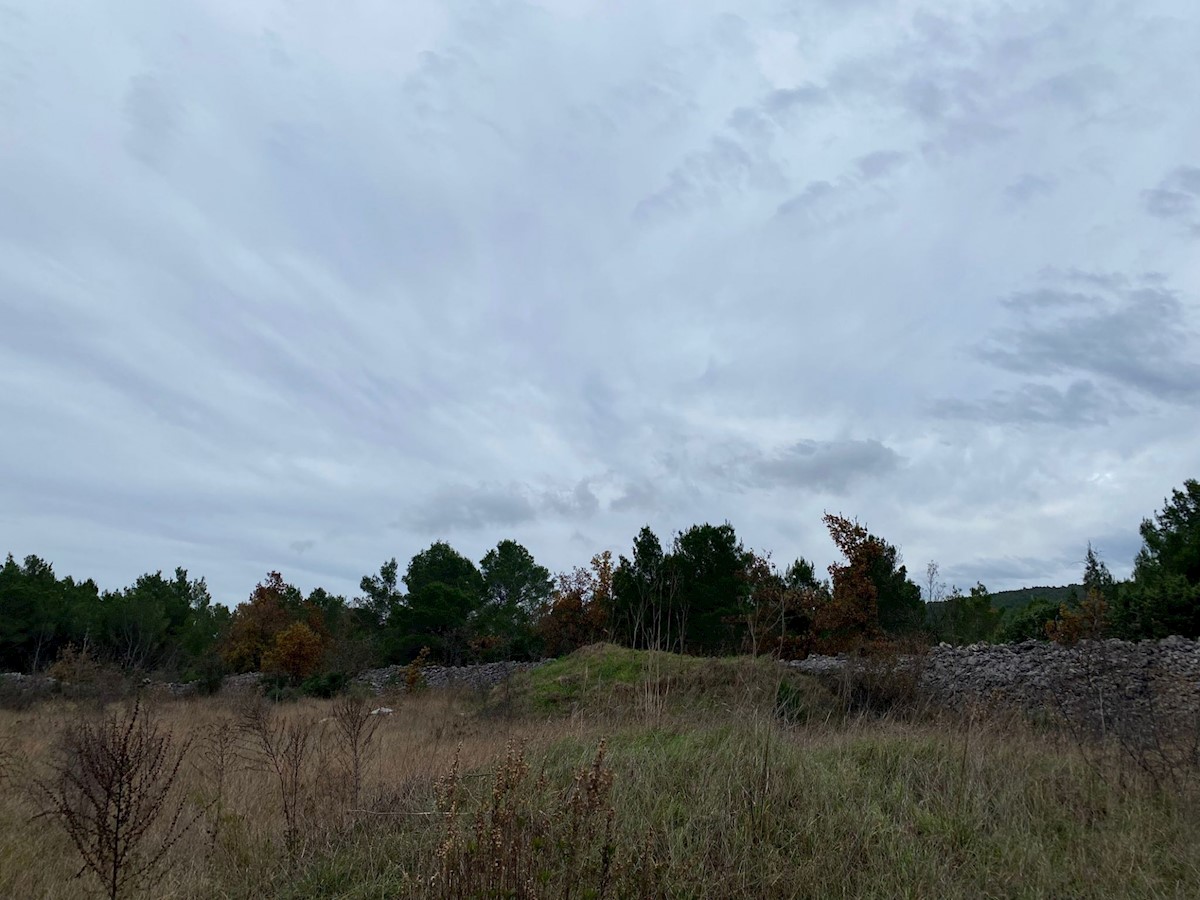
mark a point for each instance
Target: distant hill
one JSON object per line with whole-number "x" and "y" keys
{"x": 1011, "y": 600}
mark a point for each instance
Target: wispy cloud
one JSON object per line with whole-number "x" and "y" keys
{"x": 304, "y": 287}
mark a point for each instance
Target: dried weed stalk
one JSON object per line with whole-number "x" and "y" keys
{"x": 110, "y": 789}
{"x": 355, "y": 726}
{"x": 280, "y": 748}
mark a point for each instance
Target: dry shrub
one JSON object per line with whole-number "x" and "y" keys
{"x": 112, "y": 786}
{"x": 355, "y": 726}
{"x": 9, "y": 761}
{"x": 74, "y": 665}
{"x": 80, "y": 675}
{"x": 296, "y": 652}
{"x": 526, "y": 839}
{"x": 884, "y": 676}
{"x": 1087, "y": 623}
{"x": 281, "y": 748}
{"x": 218, "y": 752}
{"x": 414, "y": 678}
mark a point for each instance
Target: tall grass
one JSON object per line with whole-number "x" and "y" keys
{"x": 577, "y": 786}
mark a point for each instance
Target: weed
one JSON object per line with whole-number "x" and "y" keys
{"x": 112, "y": 784}
{"x": 281, "y": 748}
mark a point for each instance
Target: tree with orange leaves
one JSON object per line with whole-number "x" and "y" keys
{"x": 850, "y": 615}
{"x": 270, "y": 609}
{"x": 872, "y": 593}
{"x": 297, "y": 652}
{"x": 578, "y": 611}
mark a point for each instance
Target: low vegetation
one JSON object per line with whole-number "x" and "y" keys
{"x": 609, "y": 773}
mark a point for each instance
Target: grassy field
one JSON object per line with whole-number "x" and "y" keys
{"x": 622, "y": 774}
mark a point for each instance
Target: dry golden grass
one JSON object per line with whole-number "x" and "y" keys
{"x": 701, "y": 790}
{"x": 411, "y": 749}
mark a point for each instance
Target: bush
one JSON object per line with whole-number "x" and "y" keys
{"x": 207, "y": 675}
{"x": 279, "y": 688}
{"x": 884, "y": 678}
{"x": 113, "y": 783}
{"x": 328, "y": 684}
{"x": 527, "y": 838}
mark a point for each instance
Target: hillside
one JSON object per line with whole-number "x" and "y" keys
{"x": 1016, "y": 599}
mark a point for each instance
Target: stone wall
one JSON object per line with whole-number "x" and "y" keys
{"x": 482, "y": 676}
{"x": 1101, "y": 683}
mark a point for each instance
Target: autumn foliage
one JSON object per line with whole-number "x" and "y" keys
{"x": 276, "y": 631}
{"x": 297, "y": 652}
{"x": 849, "y": 616}
{"x": 579, "y": 607}
{"x": 1086, "y": 623}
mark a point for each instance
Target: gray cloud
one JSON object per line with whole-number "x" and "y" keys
{"x": 1176, "y": 198}
{"x": 153, "y": 117}
{"x": 1167, "y": 204}
{"x": 1101, "y": 356}
{"x": 464, "y": 508}
{"x": 1029, "y": 187}
{"x": 578, "y": 503}
{"x": 815, "y": 194}
{"x": 784, "y": 100}
{"x": 474, "y": 508}
{"x": 1136, "y": 339}
{"x": 1081, "y": 403}
{"x": 880, "y": 164}
{"x": 1023, "y": 570}
{"x": 372, "y": 276}
{"x": 831, "y": 467}
{"x": 636, "y": 497}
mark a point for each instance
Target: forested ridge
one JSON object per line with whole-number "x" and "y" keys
{"x": 704, "y": 593}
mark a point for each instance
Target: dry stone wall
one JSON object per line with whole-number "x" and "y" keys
{"x": 1105, "y": 684}
{"x": 482, "y": 676}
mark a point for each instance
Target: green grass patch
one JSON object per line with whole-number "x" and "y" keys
{"x": 612, "y": 680}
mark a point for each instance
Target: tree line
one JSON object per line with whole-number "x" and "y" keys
{"x": 703, "y": 593}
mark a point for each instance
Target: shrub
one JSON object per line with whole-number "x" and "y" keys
{"x": 74, "y": 665}
{"x": 355, "y": 726}
{"x": 525, "y": 834}
{"x": 414, "y": 680}
{"x": 281, "y": 749}
{"x": 1086, "y": 623}
{"x": 279, "y": 688}
{"x": 327, "y": 684}
{"x": 884, "y": 677}
{"x": 207, "y": 675}
{"x": 112, "y": 784}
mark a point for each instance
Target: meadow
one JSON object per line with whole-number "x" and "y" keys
{"x": 608, "y": 773}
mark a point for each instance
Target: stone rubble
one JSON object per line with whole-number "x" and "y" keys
{"x": 481, "y": 676}
{"x": 1101, "y": 682}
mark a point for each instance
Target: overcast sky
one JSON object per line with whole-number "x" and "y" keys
{"x": 300, "y": 285}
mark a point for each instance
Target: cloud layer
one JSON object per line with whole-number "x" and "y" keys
{"x": 298, "y": 286}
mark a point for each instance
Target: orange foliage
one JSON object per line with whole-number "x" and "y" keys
{"x": 579, "y": 608}
{"x": 1087, "y": 623}
{"x": 296, "y": 651}
{"x": 255, "y": 624}
{"x": 850, "y": 617}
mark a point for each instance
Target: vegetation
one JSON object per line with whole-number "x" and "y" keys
{"x": 703, "y": 594}
{"x": 111, "y": 784}
{"x": 573, "y": 781}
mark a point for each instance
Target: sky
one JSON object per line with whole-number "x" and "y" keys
{"x": 303, "y": 286}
